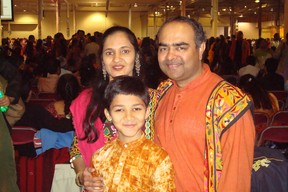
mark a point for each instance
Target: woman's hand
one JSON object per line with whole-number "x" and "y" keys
{"x": 90, "y": 183}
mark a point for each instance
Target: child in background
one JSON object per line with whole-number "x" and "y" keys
{"x": 131, "y": 162}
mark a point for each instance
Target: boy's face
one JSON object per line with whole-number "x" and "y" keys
{"x": 128, "y": 114}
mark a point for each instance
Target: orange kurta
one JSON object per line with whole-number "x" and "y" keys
{"x": 180, "y": 129}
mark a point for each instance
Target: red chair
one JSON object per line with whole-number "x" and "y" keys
{"x": 22, "y": 135}
{"x": 275, "y": 134}
{"x": 42, "y": 102}
{"x": 261, "y": 121}
{"x": 279, "y": 118}
{"x": 35, "y": 173}
{"x": 282, "y": 97}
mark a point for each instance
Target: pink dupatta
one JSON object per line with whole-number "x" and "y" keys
{"x": 78, "y": 110}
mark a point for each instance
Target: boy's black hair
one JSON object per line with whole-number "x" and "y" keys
{"x": 126, "y": 85}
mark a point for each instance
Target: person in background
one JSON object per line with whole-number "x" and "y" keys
{"x": 48, "y": 82}
{"x": 249, "y": 68}
{"x": 239, "y": 50}
{"x": 281, "y": 53}
{"x": 204, "y": 123}
{"x": 263, "y": 101}
{"x": 272, "y": 81}
{"x": 262, "y": 53}
{"x": 8, "y": 177}
{"x": 92, "y": 47}
{"x": 147, "y": 167}
{"x": 276, "y": 41}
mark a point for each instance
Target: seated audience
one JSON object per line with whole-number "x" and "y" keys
{"x": 48, "y": 84}
{"x": 56, "y": 116}
{"x": 249, "y": 68}
{"x": 263, "y": 101}
{"x": 272, "y": 81}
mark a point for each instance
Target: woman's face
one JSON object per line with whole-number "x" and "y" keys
{"x": 118, "y": 55}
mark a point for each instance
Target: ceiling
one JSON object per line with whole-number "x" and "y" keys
{"x": 245, "y": 10}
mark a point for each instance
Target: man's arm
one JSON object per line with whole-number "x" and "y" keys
{"x": 238, "y": 150}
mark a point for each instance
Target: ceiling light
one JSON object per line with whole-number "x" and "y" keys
{"x": 135, "y": 5}
{"x": 257, "y": 1}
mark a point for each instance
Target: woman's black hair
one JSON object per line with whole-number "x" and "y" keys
{"x": 260, "y": 96}
{"x": 68, "y": 89}
{"x": 95, "y": 107}
{"x": 126, "y": 85}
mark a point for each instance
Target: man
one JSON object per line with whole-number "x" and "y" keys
{"x": 239, "y": 50}
{"x": 204, "y": 123}
{"x": 276, "y": 41}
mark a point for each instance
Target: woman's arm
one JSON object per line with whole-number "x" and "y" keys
{"x": 83, "y": 174}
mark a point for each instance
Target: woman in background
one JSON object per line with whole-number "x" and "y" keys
{"x": 263, "y": 101}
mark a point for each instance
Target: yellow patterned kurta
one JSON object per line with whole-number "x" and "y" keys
{"x": 140, "y": 165}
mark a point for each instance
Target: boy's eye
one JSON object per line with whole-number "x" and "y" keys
{"x": 118, "y": 110}
{"x": 137, "y": 109}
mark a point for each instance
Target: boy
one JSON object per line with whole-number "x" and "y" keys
{"x": 131, "y": 162}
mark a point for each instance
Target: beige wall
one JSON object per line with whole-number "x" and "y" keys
{"x": 26, "y": 24}
{"x": 142, "y": 25}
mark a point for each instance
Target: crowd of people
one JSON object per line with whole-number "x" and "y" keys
{"x": 124, "y": 98}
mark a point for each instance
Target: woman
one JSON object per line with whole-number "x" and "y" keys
{"x": 67, "y": 90}
{"x": 119, "y": 55}
{"x": 56, "y": 115}
{"x": 263, "y": 101}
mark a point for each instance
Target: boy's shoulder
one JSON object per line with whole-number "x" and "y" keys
{"x": 154, "y": 149}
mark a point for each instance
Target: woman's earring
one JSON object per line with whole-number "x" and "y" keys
{"x": 137, "y": 65}
{"x": 104, "y": 71}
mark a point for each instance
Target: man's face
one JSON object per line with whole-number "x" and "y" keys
{"x": 177, "y": 54}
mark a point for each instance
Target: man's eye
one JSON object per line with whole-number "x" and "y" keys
{"x": 181, "y": 48}
{"x": 108, "y": 53}
{"x": 161, "y": 49}
{"x": 125, "y": 51}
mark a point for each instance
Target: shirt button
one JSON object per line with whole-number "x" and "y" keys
{"x": 174, "y": 108}
{"x": 125, "y": 145}
{"x": 121, "y": 164}
{"x": 171, "y": 121}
